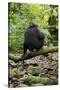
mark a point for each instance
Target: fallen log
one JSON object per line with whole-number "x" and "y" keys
{"x": 31, "y": 80}
{"x": 43, "y": 51}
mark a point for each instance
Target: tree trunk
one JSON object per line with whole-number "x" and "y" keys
{"x": 43, "y": 51}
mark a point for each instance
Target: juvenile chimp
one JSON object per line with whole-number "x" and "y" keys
{"x": 33, "y": 38}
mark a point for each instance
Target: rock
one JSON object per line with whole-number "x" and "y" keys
{"x": 49, "y": 56}
{"x": 53, "y": 77}
{"x": 21, "y": 68}
{"x": 30, "y": 62}
{"x": 25, "y": 76}
{"x": 14, "y": 82}
{"x": 54, "y": 58}
{"x": 22, "y": 85}
{"x": 11, "y": 86}
{"x": 23, "y": 73}
{"x": 12, "y": 63}
{"x": 37, "y": 71}
{"x": 19, "y": 63}
{"x": 50, "y": 72}
{"x": 15, "y": 79}
{"x": 39, "y": 84}
{"x": 54, "y": 63}
{"x": 42, "y": 57}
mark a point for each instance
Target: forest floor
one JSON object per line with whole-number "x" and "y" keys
{"x": 37, "y": 71}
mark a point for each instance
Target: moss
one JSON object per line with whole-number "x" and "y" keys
{"x": 35, "y": 79}
{"x": 30, "y": 80}
{"x": 37, "y": 71}
{"x": 13, "y": 72}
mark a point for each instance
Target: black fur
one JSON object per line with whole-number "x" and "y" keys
{"x": 33, "y": 38}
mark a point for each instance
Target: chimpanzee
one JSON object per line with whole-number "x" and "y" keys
{"x": 33, "y": 38}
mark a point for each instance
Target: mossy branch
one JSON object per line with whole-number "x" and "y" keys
{"x": 36, "y": 79}
{"x": 33, "y": 54}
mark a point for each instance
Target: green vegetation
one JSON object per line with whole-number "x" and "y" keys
{"x": 19, "y": 16}
{"x": 37, "y": 71}
{"x": 13, "y": 72}
{"x": 35, "y": 79}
